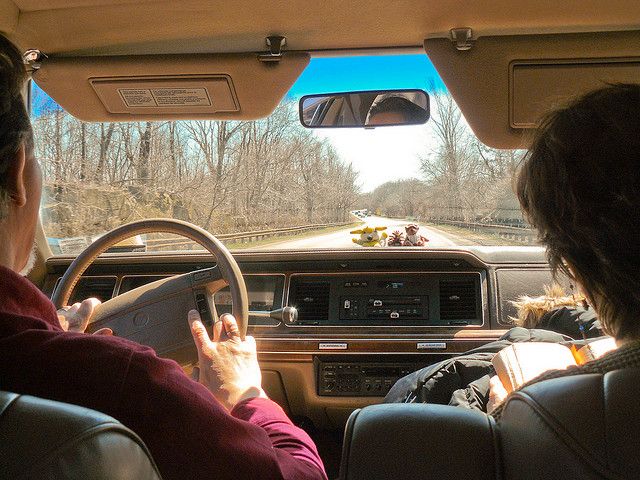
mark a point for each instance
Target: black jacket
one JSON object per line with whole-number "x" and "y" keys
{"x": 576, "y": 322}
{"x": 464, "y": 380}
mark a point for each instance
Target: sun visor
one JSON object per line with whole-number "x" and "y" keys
{"x": 537, "y": 87}
{"x": 504, "y": 84}
{"x": 9, "y": 14}
{"x": 160, "y": 87}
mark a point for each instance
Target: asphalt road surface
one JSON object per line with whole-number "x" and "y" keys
{"x": 342, "y": 238}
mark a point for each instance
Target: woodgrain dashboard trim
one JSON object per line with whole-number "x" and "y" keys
{"x": 378, "y": 346}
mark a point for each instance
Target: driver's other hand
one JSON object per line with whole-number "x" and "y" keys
{"x": 497, "y": 393}
{"x": 76, "y": 317}
{"x": 228, "y": 366}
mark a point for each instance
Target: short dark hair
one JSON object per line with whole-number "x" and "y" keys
{"x": 579, "y": 185}
{"x": 15, "y": 126}
{"x": 414, "y": 113}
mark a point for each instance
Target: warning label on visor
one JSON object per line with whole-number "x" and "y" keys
{"x": 165, "y": 97}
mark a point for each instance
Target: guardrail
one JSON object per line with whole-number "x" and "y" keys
{"x": 243, "y": 237}
{"x": 507, "y": 232}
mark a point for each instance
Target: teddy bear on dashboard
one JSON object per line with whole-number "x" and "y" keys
{"x": 412, "y": 237}
{"x": 370, "y": 236}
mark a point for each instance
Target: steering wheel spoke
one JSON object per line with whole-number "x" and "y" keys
{"x": 206, "y": 283}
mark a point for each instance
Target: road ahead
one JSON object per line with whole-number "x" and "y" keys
{"x": 342, "y": 238}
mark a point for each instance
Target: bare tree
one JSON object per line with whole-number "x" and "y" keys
{"x": 105, "y": 141}
{"x": 222, "y": 175}
{"x": 145, "y": 154}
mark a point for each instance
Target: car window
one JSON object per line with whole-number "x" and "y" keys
{"x": 272, "y": 184}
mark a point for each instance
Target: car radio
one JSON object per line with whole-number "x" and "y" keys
{"x": 338, "y": 379}
{"x": 384, "y": 307}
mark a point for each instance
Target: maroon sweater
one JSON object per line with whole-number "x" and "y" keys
{"x": 188, "y": 431}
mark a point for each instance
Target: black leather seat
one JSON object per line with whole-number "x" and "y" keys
{"x": 43, "y": 439}
{"x": 585, "y": 426}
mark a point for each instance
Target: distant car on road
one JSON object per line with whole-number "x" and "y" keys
{"x": 360, "y": 213}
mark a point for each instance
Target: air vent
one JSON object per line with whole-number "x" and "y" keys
{"x": 99, "y": 287}
{"x": 458, "y": 302}
{"x": 311, "y": 299}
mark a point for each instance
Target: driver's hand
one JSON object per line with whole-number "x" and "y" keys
{"x": 228, "y": 366}
{"x": 76, "y": 317}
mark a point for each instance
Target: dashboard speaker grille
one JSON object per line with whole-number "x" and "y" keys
{"x": 311, "y": 299}
{"x": 458, "y": 300}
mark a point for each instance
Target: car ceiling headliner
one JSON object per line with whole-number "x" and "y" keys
{"x": 98, "y": 27}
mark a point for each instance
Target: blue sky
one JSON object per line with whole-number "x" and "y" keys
{"x": 40, "y": 101}
{"x": 380, "y": 72}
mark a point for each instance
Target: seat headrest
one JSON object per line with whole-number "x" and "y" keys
{"x": 401, "y": 441}
{"x": 587, "y": 426}
{"x": 46, "y": 439}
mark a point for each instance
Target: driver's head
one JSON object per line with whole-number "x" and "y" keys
{"x": 579, "y": 185}
{"x": 396, "y": 111}
{"x": 20, "y": 178}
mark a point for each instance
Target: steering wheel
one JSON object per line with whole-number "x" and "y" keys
{"x": 156, "y": 314}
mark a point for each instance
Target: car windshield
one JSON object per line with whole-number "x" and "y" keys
{"x": 273, "y": 184}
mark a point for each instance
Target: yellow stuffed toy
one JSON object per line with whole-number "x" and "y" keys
{"x": 370, "y": 236}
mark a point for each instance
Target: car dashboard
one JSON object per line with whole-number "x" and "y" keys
{"x": 366, "y": 317}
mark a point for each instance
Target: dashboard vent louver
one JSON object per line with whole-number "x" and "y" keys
{"x": 101, "y": 288}
{"x": 458, "y": 300}
{"x": 311, "y": 299}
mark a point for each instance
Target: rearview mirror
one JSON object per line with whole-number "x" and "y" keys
{"x": 381, "y": 108}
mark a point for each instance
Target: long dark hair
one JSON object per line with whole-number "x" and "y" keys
{"x": 579, "y": 185}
